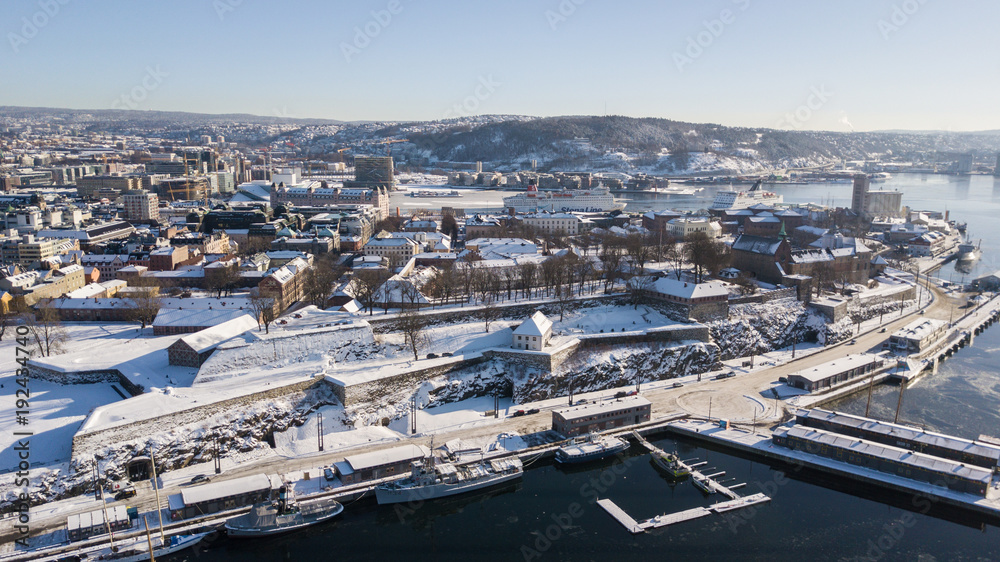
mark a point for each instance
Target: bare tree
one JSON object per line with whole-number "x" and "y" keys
{"x": 263, "y": 309}
{"x": 489, "y": 311}
{"x": 46, "y": 329}
{"x": 144, "y": 306}
{"x": 366, "y": 283}
{"x": 526, "y": 277}
{"x": 319, "y": 281}
{"x": 222, "y": 280}
{"x": 640, "y": 251}
{"x": 414, "y": 329}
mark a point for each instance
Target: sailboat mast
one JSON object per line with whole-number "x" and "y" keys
{"x": 156, "y": 489}
{"x": 149, "y": 541}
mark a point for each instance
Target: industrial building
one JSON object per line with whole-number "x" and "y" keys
{"x": 914, "y": 439}
{"x": 605, "y": 415}
{"x": 834, "y": 373}
{"x": 221, "y": 496}
{"x": 917, "y": 335}
{"x": 884, "y": 458}
{"x": 379, "y": 464}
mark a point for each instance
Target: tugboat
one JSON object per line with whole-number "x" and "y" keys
{"x": 429, "y": 480}
{"x": 591, "y": 447}
{"x": 282, "y": 516}
{"x": 671, "y": 464}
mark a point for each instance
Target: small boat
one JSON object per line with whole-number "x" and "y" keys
{"x": 702, "y": 484}
{"x": 429, "y": 480}
{"x": 135, "y": 549}
{"x": 671, "y": 464}
{"x": 282, "y": 516}
{"x": 591, "y": 447}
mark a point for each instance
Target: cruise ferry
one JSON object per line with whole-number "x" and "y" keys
{"x": 590, "y": 448}
{"x": 596, "y": 200}
{"x": 736, "y": 200}
{"x": 428, "y": 480}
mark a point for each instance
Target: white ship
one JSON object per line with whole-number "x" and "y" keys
{"x": 429, "y": 481}
{"x": 968, "y": 252}
{"x": 596, "y": 200}
{"x": 590, "y": 448}
{"x": 736, "y": 200}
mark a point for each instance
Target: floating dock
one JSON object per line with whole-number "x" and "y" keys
{"x": 636, "y": 527}
{"x": 704, "y": 482}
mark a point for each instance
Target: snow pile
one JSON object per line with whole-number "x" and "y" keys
{"x": 254, "y": 351}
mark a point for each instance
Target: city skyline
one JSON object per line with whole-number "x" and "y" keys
{"x": 885, "y": 65}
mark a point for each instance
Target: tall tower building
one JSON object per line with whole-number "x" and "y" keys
{"x": 142, "y": 206}
{"x": 372, "y": 171}
{"x": 860, "y": 195}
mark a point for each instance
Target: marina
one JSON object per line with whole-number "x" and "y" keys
{"x": 705, "y": 483}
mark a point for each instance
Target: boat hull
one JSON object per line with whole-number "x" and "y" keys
{"x": 563, "y": 457}
{"x": 234, "y": 530}
{"x": 386, "y": 495}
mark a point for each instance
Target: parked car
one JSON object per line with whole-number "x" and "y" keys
{"x": 677, "y": 385}
{"x": 447, "y": 354}
{"x": 517, "y": 413}
{"x": 582, "y": 401}
{"x": 632, "y": 393}
{"x": 200, "y": 479}
{"x": 125, "y": 493}
{"x": 882, "y": 331}
{"x": 328, "y": 473}
{"x": 621, "y": 394}
{"x": 852, "y": 342}
{"x": 432, "y": 355}
{"x": 532, "y": 411}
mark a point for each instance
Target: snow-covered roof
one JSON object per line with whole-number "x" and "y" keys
{"x": 203, "y": 318}
{"x": 537, "y": 325}
{"x": 690, "y": 291}
{"x": 229, "y": 488}
{"x": 209, "y": 338}
{"x": 757, "y": 244}
{"x": 605, "y": 407}
{"x": 87, "y": 291}
{"x": 387, "y": 456}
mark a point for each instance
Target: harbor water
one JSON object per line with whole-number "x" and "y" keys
{"x": 552, "y": 514}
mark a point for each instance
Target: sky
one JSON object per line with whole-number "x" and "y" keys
{"x": 787, "y": 64}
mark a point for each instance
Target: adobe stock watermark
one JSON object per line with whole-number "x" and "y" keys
{"x": 564, "y": 521}
{"x": 31, "y": 26}
{"x": 365, "y": 34}
{"x": 818, "y": 96}
{"x": 899, "y": 17}
{"x": 467, "y": 107}
{"x": 138, "y": 94}
{"x": 224, "y": 7}
{"x": 714, "y": 28}
{"x": 562, "y": 13}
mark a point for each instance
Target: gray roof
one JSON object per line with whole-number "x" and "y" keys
{"x": 757, "y": 244}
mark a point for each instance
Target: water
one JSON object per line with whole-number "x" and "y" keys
{"x": 811, "y": 516}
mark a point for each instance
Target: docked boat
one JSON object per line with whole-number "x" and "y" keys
{"x": 429, "y": 193}
{"x": 591, "y": 447}
{"x": 596, "y": 200}
{"x": 135, "y": 549}
{"x": 282, "y": 516}
{"x": 429, "y": 480}
{"x": 671, "y": 464}
{"x": 703, "y": 484}
{"x": 735, "y": 200}
{"x": 968, "y": 252}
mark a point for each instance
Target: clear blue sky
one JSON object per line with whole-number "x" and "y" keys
{"x": 937, "y": 67}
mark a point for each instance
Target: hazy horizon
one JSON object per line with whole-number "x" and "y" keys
{"x": 853, "y": 66}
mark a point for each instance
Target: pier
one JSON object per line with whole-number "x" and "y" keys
{"x": 704, "y": 482}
